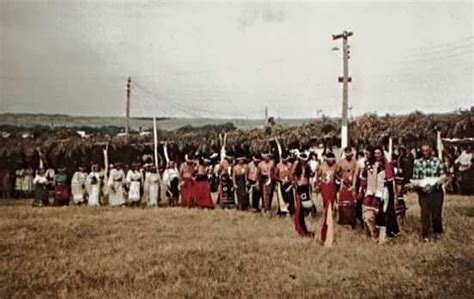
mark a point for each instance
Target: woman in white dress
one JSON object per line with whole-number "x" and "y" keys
{"x": 93, "y": 184}
{"x": 134, "y": 181}
{"x": 152, "y": 186}
{"x": 115, "y": 183}
{"x": 78, "y": 185}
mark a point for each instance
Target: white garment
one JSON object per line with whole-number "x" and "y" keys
{"x": 464, "y": 160}
{"x": 78, "y": 186}
{"x": 134, "y": 178}
{"x": 152, "y": 187}
{"x": 39, "y": 179}
{"x": 93, "y": 189}
{"x": 169, "y": 175}
{"x": 115, "y": 183}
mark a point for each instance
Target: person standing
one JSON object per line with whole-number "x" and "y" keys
{"x": 202, "y": 189}
{"x": 379, "y": 202}
{"x": 428, "y": 178}
{"x": 171, "y": 181}
{"x": 225, "y": 190}
{"x": 19, "y": 182}
{"x": 326, "y": 179}
{"x": 406, "y": 162}
{"x": 115, "y": 183}
{"x": 186, "y": 181}
{"x": 252, "y": 184}
{"x": 61, "y": 192}
{"x": 27, "y": 186}
{"x": 93, "y": 184}
{"x": 152, "y": 186}
{"x": 134, "y": 181}
{"x": 41, "y": 192}
{"x": 301, "y": 173}
{"x": 239, "y": 177}
{"x": 345, "y": 172}
{"x": 265, "y": 179}
{"x": 360, "y": 183}
{"x": 284, "y": 187}
{"x": 78, "y": 186}
{"x": 6, "y": 184}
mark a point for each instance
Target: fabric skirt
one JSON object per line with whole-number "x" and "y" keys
{"x": 134, "y": 192}
{"x": 61, "y": 195}
{"x": 187, "y": 192}
{"x": 226, "y": 193}
{"x": 266, "y": 187}
{"x": 242, "y": 194}
{"x": 302, "y": 195}
{"x": 328, "y": 191}
{"x": 202, "y": 195}
{"x": 41, "y": 196}
{"x": 346, "y": 207}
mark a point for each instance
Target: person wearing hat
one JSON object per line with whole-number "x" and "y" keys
{"x": 186, "y": 171}
{"x": 252, "y": 183}
{"x": 239, "y": 177}
{"x": 202, "y": 191}
{"x": 327, "y": 186}
{"x": 93, "y": 184}
{"x": 266, "y": 169}
{"x": 284, "y": 190}
{"x": 116, "y": 181}
{"x": 345, "y": 172}
{"x": 152, "y": 186}
{"x": 301, "y": 172}
{"x": 134, "y": 181}
{"x": 61, "y": 193}
{"x": 78, "y": 185}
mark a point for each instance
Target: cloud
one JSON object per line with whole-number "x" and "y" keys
{"x": 264, "y": 13}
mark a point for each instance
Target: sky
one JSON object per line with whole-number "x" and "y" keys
{"x": 231, "y": 59}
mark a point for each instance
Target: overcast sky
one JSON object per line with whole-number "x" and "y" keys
{"x": 230, "y": 59}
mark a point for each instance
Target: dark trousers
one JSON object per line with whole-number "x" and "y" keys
{"x": 431, "y": 205}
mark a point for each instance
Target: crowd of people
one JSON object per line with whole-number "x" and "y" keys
{"x": 366, "y": 189}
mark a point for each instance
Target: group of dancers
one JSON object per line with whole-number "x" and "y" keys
{"x": 366, "y": 191}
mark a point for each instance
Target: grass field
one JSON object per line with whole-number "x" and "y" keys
{"x": 177, "y": 252}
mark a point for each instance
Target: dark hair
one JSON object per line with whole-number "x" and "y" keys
{"x": 348, "y": 149}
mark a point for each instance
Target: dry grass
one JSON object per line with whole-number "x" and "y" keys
{"x": 176, "y": 252}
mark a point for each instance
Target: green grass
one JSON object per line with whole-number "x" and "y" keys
{"x": 178, "y": 252}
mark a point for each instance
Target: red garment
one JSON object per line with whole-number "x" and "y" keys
{"x": 299, "y": 217}
{"x": 61, "y": 195}
{"x": 371, "y": 202}
{"x": 347, "y": 214}
{"x": 187, "y": 191}
{"x": 202, "y": 195}
{"x": 328, "y": 191}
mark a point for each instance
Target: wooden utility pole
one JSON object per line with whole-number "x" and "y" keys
{"x": 345, "y": 80}
{"x": 127, "y": 108}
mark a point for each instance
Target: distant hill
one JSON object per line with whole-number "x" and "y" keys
{"x": 61, "y": 120}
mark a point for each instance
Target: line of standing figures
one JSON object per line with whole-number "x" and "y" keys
{"x": 367, "y": 191}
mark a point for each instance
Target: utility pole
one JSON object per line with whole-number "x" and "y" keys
{"x": 345, "y": 80}
{"x": 266, "y": 114}
{"x": 127, "y": 108}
